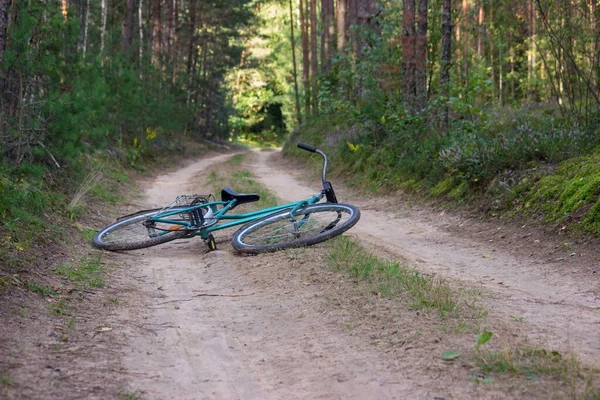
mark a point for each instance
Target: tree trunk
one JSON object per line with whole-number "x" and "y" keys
{"x": 4, "y": 21}
{"x": 174, "y": 41}
{"x": 408, "y": 55}
{"x": 127, "y": 32}
{"x": 170, "y": 27}
{"x": 465, "y": 43}
{"x": 481, "y": 28}
{"x": 85, "y": 29}
{"x": 500, "y": 75}
{"x": 141, "y": 31}
{"x": 305, "y": 58}
{"x": 298, "y": 110}
{"x": 191, "y": 46}
{"x": 531, "y": 54}
{"x": 491, "y": 47}
{"x": 352, "y": 19}
{"x": 421, "y": 58}
{"x": 332, "y": 37}
{"x": 325, "y": 21}
{"x": 4, "y": 5}
{"x": 446, "y": 61}
{"x": 342, "y": 12}
{"x": 103, "y": 33}
{"x": 156, "y": 31}
{"x": 314, "y": 62}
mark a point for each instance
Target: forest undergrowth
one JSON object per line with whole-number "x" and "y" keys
{"x": 520, "y": 164}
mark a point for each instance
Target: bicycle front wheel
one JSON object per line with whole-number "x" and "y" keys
{"x": 139, "y": 231}
{"x": 309, "y": 225}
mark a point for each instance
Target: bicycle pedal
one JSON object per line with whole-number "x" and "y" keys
{"x": 210, "y": 242}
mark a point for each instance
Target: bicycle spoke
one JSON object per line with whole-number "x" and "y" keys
{"x": 284, "y": 230}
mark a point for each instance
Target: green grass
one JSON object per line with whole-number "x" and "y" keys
{"x": 87, "y": 271}
{"x": 36, "y": 287}
{"x": 24, "y": 197}
{"x": 571, "y": 194}
{"x": 131, "y": 396}
{"x": 106, "y": 192}
{"x": 393, "y": 279}
{"x": 6, "y": 380}
{"x": 37, "y": 202}
{"x": 88, "y": 233}
{"x": 234, "y": 175}
{"x": 253, "y": 144}
{"x": 535, "y": 363}
{"x": 59, "y": 308}
{"x": 114, "y": 301}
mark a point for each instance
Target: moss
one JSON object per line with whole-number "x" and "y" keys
{"x": 573, "y": 187}
{"x": 459, "y": 192}
{"x": 442, "y": 187}
{"x": 586, "y": 192}
{"x": 591, "y": 222}
{"x": 409, "y": 184}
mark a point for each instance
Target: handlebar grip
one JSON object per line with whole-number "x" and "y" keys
{"x": 307, "y": 147}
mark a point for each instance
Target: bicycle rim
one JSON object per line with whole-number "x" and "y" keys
{"x": 137, "y": 232}
{"x": 309, "y": 225}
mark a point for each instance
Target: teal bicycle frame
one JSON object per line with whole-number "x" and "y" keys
{"x": 220, "y": 214}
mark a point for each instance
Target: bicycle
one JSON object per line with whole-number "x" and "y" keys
{"x": 296, "y": 224}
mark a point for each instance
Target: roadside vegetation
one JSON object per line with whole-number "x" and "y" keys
{"x": 554, "y": 179}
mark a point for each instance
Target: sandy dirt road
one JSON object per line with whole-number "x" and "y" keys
{"x": 223, "y": 326}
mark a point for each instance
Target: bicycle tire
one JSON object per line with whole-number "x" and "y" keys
{"x": 139, "y": 238}
{"x": 264, "y": 235}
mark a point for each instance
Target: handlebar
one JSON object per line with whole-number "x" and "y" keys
{"x": 307, "y": 147}
{"x": 313, "y": 149}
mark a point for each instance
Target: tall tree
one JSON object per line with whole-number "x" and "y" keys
{"x": 305, "y": 57}
{"x": 446, "y": 59}
{"x": 4, "y": 5}
{"x": 156, "y": 31}
{"x": 342, "y": 24}
{"x": 103, "y": 31}
{"x": 4, "y": 20}
{"x": 421, "y": 58}
{"x": 170, "y": 10}
{"x": 327, "y": 32}
{"x": 127, "y": 32}
{"x": 366, "y": 19}
{"x": 295, "y": 72}
{"x": 314, "y": 62}
{"x": 141, "y": 33}
{"x": 191, "y": 47}
{"x": 408, "y": 54}
{"x": 86, "y": 25}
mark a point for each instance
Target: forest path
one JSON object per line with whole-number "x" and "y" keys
{"x": 220, "y": 325}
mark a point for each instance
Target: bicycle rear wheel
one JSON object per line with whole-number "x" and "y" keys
{"x": 138, "y": 231}
{"x": 310, "y": 225}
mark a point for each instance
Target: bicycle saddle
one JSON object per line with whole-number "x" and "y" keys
{"x": 228, "y": 195}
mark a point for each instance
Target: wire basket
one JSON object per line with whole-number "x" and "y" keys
{"x": 186, "y": 200}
